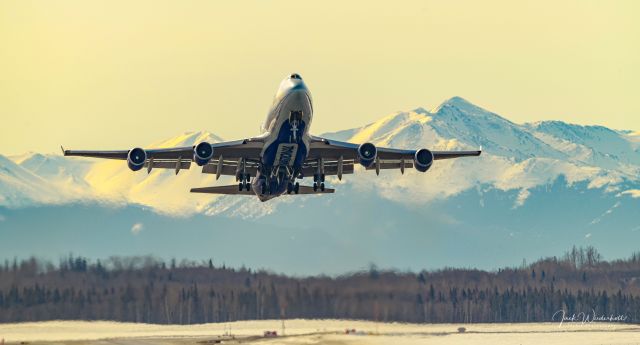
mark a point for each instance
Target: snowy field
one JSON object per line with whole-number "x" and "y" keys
{"x": 317, "y": 332}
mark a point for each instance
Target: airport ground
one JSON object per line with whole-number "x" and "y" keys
{"x": 330, "y": 332}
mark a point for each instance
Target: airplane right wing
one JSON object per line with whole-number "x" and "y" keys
{"x": 226, "y": 158}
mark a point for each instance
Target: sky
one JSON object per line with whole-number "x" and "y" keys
{"x": 119, "y": 74}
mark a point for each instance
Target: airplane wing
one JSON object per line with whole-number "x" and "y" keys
{"x": 334, "y": 153}
{"x": 230, "y": 155}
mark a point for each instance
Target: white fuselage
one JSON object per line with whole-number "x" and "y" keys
{"x": 286, "y": 138}
{"x": 292, "y": 95}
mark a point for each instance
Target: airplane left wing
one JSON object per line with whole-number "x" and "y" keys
{"x": 339, "y": 157}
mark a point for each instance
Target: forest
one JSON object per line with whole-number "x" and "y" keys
{"x": 150, "y": 290}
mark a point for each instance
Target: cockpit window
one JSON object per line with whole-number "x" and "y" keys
{"x": 295, "y": 76}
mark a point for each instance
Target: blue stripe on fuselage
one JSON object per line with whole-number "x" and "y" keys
{"x": 284, "y": 137}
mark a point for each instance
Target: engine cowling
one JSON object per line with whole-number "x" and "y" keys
{"x": 367, "y": 153}
{"x": 202, "y": 153}
{"x": 422, "y": 160}
{"x": 136, "y": 158}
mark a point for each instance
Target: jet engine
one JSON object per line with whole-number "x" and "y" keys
{"x": 202, "y": 153}
{"x": 136, "y": 158}
{"x": 423, "y": 160}
{"x": 367, "y": 153}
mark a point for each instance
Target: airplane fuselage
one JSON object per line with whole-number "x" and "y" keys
{"x": 286, "y": 137}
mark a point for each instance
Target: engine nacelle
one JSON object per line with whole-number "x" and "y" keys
{"x": 136, "y": 158}
{"x": 367, "y": 153}
{"x": 423, "y": 160}
{"x": 202, "y": 153}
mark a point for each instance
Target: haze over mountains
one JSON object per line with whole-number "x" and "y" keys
{"x": 537, "y": 189}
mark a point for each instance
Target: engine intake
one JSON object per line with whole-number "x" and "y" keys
{"x": 367, "y": 153}
{"x": 136, "y": 158}
{"x": 423, "y": 160}
{"x": 202, "y": 153}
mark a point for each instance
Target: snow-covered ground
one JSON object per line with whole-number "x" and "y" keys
{"x": 322, "y": 332}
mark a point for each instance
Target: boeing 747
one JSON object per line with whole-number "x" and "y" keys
{"x": 269, "y": 165}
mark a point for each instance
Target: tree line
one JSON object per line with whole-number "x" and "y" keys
{"x": 149, "y": 290}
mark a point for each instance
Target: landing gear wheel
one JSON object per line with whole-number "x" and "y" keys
{"x": 289, "y": 188}
{"x": 263, "y": 188}
{"x": 240, "y": 186}
{"x": 247, "y": 186}
{"x": 322, "y": 186}
{"x": 296, "y": 188}
{"x": 315, "y": 187}
{"x": 322, "y": 178}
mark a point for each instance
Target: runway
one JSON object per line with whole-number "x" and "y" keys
{"x": 329, "y": 332}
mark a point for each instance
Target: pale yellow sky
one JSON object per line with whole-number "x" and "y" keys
{"x": 118, "y": 74}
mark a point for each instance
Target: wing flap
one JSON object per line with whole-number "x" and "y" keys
{"x": 167, "y": 164}
{"x": 329, "y": 170}
{"x": 392, "y": 165}
{"x": 229, "y": 168}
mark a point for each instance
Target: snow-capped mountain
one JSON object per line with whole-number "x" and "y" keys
{"x": 20, "y": 187}
{"x": 537, "y": 189}
{"x": 516, "y": 157}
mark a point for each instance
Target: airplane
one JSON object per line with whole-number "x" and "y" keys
{"x": 269, "y": 164}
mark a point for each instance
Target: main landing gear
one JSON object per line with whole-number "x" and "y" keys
{"x": 318, "y": 182}
{"x": 293, "y": 188}
{"x": 245, "y": 182}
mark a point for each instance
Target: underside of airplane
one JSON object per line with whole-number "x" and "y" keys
{"x": 269, "y": 165}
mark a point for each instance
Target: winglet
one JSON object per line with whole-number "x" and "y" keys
{"x": 62, "y": 148}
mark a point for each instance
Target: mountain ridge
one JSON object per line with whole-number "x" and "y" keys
{"x": 534, "y": 191}
{"x": 516, "y": 156}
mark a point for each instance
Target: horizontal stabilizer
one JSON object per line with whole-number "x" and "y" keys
{"x": 309, "y": 190}
{"x": 233, "y": 190}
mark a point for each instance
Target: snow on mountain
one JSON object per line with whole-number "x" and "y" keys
{"x": 457, "y": 118}
{"x": 20, "y": 187}
{"x": 63, "y": 174}
{"x": 593, "y": 145}
{"x": 161, "y": 189}
{"x": 515, "y": 158}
